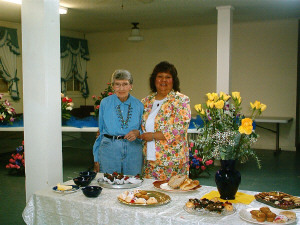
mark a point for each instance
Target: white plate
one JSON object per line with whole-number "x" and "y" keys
{"x": 105, "y": 184}
{"x": 203, "y": 212}
{"x": 74, "y": 189}
{"x": 246, "y": 215}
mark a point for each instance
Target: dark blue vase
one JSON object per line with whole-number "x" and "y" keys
{"x": 228, "y": 180}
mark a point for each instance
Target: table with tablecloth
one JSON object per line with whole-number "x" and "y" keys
{"x": 49, "y": 207}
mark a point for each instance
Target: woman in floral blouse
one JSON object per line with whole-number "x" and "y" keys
{"x": 165, "y": 122}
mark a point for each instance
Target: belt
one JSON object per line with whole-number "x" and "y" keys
{"x": 114, "y": 137}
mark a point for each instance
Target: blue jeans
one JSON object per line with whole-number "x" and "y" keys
{"x": 120, "y": 156}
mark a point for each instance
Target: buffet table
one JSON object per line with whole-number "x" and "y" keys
{"x": 49, "y": 207}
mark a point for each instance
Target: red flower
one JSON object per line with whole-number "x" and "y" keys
{"x": 203, "y": 168}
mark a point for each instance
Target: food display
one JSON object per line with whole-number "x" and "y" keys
{"x": 143, "y": 197}
{"x": 213, "y": 206}
{"x": 178, "y": 183}
{"x": 119, "y": 180}
{"x": 265, "y": 215}
{"x": 278, "y": 200}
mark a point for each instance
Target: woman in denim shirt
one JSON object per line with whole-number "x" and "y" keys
{"x": 117, "y": 147}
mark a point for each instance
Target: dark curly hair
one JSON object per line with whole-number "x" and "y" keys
{"x": 164, "y": 67}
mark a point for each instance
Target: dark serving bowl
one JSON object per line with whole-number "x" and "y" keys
{"x": 88, "y": 173}
{"x": 91, "y": 191}
{"x": 82, "y": 181}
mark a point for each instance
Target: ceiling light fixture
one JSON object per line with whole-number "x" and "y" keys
{"x": 135, "y": 33}
{"x": 62, "y": 10}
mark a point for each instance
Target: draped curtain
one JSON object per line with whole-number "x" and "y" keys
{"x": 9, "y": 49}
{"x": 74, "y": 55}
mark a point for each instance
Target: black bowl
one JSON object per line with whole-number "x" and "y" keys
{"x": 92, "y": 191}
{"x": 88, "y": 173}
{"x": 82, "y": 181}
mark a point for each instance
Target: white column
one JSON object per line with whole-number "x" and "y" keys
{"x": 41, "y": 94}
{"x": 224, "y": 48}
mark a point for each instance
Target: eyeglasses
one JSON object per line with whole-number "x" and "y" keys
{"x": 124, "y": 85}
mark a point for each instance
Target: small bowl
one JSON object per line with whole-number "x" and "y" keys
{"x": 91, "y": 191}
{"x": 82, "y": 181}
{"x": 88, "y": 173}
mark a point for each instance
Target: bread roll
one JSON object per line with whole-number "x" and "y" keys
{"x": 289, "y": 214}
{"x": 176, "y": 181}
{"x": 190, "y": 186}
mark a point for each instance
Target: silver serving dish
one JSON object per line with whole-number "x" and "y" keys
{"x": 104, "y": 184}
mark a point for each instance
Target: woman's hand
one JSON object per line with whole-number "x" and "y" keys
{"x": 96, "y": 167}
{"x": 152, "y": 136}
{"x": 132, "y": 135}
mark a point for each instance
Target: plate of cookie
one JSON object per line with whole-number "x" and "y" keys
{"x": 143, "y": 198}
{"x": 178, "y": 183}
{"x": 265, "y": 215}
{"x": 205, "y": 207}
{"x": 278, "y": 199}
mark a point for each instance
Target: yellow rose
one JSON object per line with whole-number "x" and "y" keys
{"x": 219, "y": 104}
{"x": 239, "y": 100}
{"x": 236, "y": 95}
{"x": 246, "y": 127}
{"x": 224, "y": 96}
{"x": 255, "y": 105}
{"x": 263, "y": 107}
{"x": 202, "y": 112}
{"x": 212, "y": 96}
{"x": 210, "y": 103}
{"x": 198, "y": 107}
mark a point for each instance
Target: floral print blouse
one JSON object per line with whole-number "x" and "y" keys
{"x": 173, "y": 121}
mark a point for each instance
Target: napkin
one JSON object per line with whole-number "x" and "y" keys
{"x": 239, "y": 197}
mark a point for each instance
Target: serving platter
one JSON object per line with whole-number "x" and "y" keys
{"x": 246, "y": 215}
{"x": 163, "y": 185}
{"x": 203, "y": 212}
{"x": 161, "y": 198}
{"x": 74, "y": 189}
{"x": 104, "y": 184}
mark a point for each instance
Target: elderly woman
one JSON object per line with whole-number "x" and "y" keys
{"x": 117, "y": 147}
{"x": 165, "y": 122}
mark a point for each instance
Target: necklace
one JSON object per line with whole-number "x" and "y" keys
{"x": 124, "y": 123}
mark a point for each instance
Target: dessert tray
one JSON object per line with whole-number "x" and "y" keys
{"x": 278, "y": 199}
{"x": 215, "y": 209}
{"x": 163, "y": 185}
{"x": 119, "y": 181}
{"x": 74, "y": 189}
{"x": 130, "y": 198}
{"x": 246, "y": 215}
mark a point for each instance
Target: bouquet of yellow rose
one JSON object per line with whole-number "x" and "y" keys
{"x": 226, "y": 133}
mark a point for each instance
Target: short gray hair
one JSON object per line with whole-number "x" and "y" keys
{"x": 121, "y": 75}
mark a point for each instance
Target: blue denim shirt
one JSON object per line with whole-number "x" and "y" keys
{"x": 110, "y": 123}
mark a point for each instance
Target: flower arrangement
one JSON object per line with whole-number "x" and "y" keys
{"x": 107, "y": 92}
{"x": 17, "y": 160}
{"x": 66, "y": 107}
{"x": 7, "y": 112}
{"x": 226, "y": 133}
{"x": 198, "y": 164}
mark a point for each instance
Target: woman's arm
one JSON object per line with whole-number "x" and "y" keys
{"x": 151, "y": 136}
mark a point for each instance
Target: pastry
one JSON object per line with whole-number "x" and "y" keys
{"x": 145, "y": 197}
{"x": 189, "y": 204}
{"x": 193, "y": 183}
{"x": 228, "y": 206}
{"x": 254, "y": 213}
{"x": 185, "y": 183}
{"x": 280, "y": 219}
{"x": 151, "y": 200}
{"x": 61, "y": 187}
{"x": 176, "y": 181}
{"x": 260, "y": 217}
{"x": 289, "y": 214}
{"x": 140, "y": 201}
{"x": 265, "y": 210}
{"x": 143, "y": 192}
{"x": 271, "y": 216}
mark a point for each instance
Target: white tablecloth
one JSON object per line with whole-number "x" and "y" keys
{"x": 49, "y": 207}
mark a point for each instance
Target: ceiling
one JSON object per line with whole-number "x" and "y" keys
{"x": 108, "y": 15}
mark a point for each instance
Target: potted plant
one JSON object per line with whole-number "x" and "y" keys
{"x": 7, "y": 112}
{"x": 228, "y": 136}
{"x": 66, "y": 107}
{"x": 107, "y": 92}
